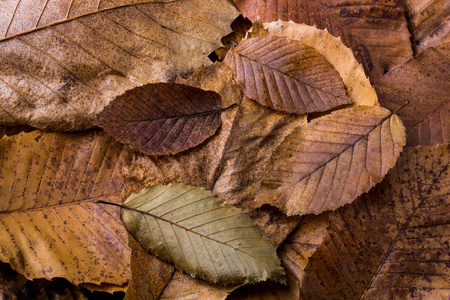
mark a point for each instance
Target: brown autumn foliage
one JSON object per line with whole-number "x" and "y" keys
{"x": 349, "y": 221}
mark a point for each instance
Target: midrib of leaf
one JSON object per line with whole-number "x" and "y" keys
{"x": 401, "y": 231}
{"x": 182, "y": 227}
{"x": 74, "y": 18}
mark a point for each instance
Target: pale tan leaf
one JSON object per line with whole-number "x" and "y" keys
{"x": 49, "y": 225}
{"x": 331, "y": 160}
{"x": 286, "y": 75}
{"x": 376, "y": 30}
{"x": 357, "y": 85}
{"x": 190, "y": 227}
{"x": 58, "y": 76}
{"x": 429, "y": 22}
{"x": 392, "y": 243}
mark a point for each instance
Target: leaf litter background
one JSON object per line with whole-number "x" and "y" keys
{"x": 389, "y": 242}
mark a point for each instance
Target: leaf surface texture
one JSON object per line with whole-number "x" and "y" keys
{"x": 162, "y": 118}
{"x": 190, "y": 227}
{"x": 49, "y": 225}
{"x": 331, "y": 160}
{"x": 286, "y": 75}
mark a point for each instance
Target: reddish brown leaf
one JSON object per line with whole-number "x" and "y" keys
{"x": 424, "y": 82}
{"x": 162, "y": 118}
{"x": 286, "y": 75}
{"x": 375, "y": 30}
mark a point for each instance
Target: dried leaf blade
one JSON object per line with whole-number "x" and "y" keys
{"x": 189, "y": 227}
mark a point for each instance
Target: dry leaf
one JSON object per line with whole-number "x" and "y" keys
{"x": 423, "y": 81}
{"x": 162, "y": 118}
{"x": 331, "y": 160}
{"x": 429, "y": 22}
{"x": 190, "y": 227}
{"x": 392, "y": 242}
{"x": 286, "y": 75}
{"x": 58, "y": 76}
{"x": 357, "y": 85}
{"x": 376, "y": 30}
{"x": 49, "y": 226}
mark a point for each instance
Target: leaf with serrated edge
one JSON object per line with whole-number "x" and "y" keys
{"x": 49, "y": 226}
{"x": 376, "y": 30}
{"x": 191, "y": 227}
{"x": 162, "y": 118}
{"x": 286, "y": 75}
{"x": 60, "y": 75}
{"x": 393, "y": 242}
{"x": 331, "y": 160}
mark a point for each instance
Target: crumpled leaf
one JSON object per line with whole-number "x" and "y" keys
{"x": 392, "y": 243}
{"x": 49, "y": 226}
{"x": 162, "y": 118}
{"x": 357, "y": 85}
{"x": 429, "y": 22}
{"x": 331, "y": 160}
{"x": 426, "y": 116}
{"x": 57, "y": 77}
{"x": 190, "y": 227}
{"x": 247, "y": 137}
{"x": 286, "y": 75}
{"x": 376, "y": 30}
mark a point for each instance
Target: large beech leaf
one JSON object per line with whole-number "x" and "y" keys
{"x": 162, "y": 118}
{"x": 286, "y": 75}
{"x": 190, "y": 227}
{"x": 231, "y": 163}
{"x": 49, "y": 226}
{"x": 426, "y": 117}
{"x": 429, "y": 22}
{"x": 358, "y": 87}
{"x": 59, "y": 75}
{"x": 375, "y": 30}
{"x": 392, "y": 243}
{"x": 331, "y": 160}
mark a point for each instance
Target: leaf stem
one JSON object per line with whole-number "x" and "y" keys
{"x": 400, "y": 108}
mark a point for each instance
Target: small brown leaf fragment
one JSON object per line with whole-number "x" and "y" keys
{"x": 150, "y": 275}
{"x": 331, "y": 160}
{"x": 376, "y": 30}
{"x": 162, "y": 118}
{"x": 426, "y": 117}
{"x": 429, "y": 22}
{"x": 49, "y": 225}
{"x": 286, "y": 75}
{"x": 393, "y": 242}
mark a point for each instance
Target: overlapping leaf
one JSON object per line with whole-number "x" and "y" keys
{"x": 60, "y": 75}
{"x": 392, "y": 242}
{"x": 286, "y": 75}
{"x": 190, "y": 227}
{"x": 331, "y": 160}
{"x": 375, "y": 30}
{"x": 426, "y": 117}
{"x": 49, "y": 226}
{"x": 162, "y": 118}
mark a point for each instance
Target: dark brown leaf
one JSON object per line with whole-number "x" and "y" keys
{"x": 286, "y": 75}
{"x": 162, "y": 118}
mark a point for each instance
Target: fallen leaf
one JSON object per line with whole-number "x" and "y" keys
{"x": 247, "y": 137}
{"x": 376, "y": 30}
{"x": 357, "y": 85}
{"x": 49, "y": 226}
{"x": 286, "y": 75}
{"x": 426, "y": 116}
{"x": 392, "y": 242}
{"x": 331, "y": 160}
{"x": 57, "y": 77}
{"x": 429, "y": 22}
{"x": 162, "y": 118}
{"x": 190, "y": 227}
{"x": 151, "y": 276}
